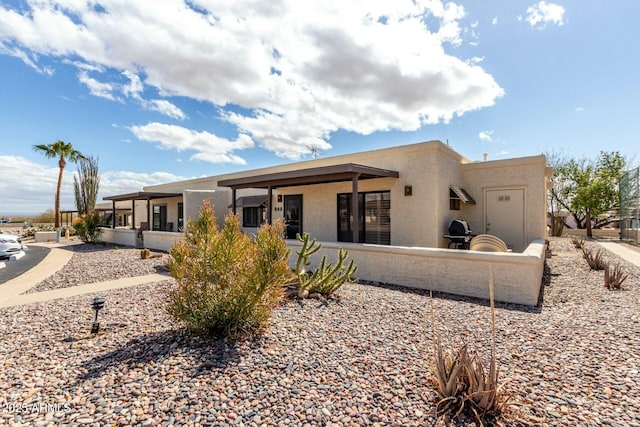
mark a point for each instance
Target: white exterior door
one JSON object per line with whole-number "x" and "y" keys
{"x": 504, "y": 216}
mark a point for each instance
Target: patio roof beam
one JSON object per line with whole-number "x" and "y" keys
{"x": 141, "y": 195}
{"x": 319, "y": 175}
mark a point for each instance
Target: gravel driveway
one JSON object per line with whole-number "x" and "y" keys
{"x": 362, "y": 360}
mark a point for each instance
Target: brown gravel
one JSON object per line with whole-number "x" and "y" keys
{"x": 93, "y": 263}
{"x": 362, "y": 360}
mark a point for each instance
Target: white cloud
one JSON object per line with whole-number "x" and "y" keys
{"x": 135, "y": 87}
{"x": 579, "y": 109}
{"x": 475, "y": 60}
{"x": 494, "y": 21}
{"x": 207, "y": 147}
{"x": 30, "y": 187}
{"x": 298, "y": 76}
{"x": 543, "y": 13}
{"x": 166, "y": 108}
{"x": 486, "y": 136}
{"x": 123, "y": 182}
{"x": 96, "y": 88}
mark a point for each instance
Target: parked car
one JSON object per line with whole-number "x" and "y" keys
{"x": 9, "y": 245}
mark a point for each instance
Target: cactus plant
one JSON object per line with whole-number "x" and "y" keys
{"x": 327, "y": 278}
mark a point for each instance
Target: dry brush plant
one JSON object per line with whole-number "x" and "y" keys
{"x": 594, "y": 258}
{"x": 578, "y": 242}
{"x": 462, "y": 382}
{"x": 614, "y": 277}
{"x": 227, "y": 283}
{"x": 327, "y": 278}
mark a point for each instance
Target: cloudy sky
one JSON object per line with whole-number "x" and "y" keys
{"x": 165, "y": 90}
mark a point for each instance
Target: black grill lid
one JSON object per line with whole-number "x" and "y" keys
{"x": 459, "y": 227}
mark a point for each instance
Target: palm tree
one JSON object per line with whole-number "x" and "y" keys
{"x": 61, "y": 150}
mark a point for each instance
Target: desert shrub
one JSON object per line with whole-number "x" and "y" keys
{"x": 87, "y": 227}
{"x": 461, "y": 380}
{"x": 614, "y": 277}
{"x": 327, "y": 278}
{"x": 594, "y": 258}
{"x": 228, "y": 283}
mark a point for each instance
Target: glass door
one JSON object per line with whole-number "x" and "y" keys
{"x": 293, "y": 215}
{"x": 159, "y": 217}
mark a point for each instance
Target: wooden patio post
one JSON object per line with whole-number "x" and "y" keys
{"x": 269, "y": 215}
{"x": 355, "y": 209}
{"x": 133, "y": 214}
{"x": 233, "y": 202}
{"x": 113, "y": 214}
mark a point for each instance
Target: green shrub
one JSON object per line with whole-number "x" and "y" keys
{"x": 87, "y": 227}
{"x": 327, "y": 278}
{"x": 228, "y": 283}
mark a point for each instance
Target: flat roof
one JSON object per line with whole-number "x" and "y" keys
{"x": 141, "y": 195}
{"x": 308, "y": 176}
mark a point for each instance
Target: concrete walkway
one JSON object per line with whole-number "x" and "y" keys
{"x": 11, "y": 292}
{"x": 622, "y": 251}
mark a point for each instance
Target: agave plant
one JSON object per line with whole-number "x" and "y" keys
{"x": 448, "y": 370}
{"x": 484, "y": 389}
{"x": 578, "y": 242}
{"x": 614, "y": 278}
{"x": 594, "y": 259}
{"x": 462, "y": 381}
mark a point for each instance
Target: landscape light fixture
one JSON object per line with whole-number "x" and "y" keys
{"x": 97, "y": 304}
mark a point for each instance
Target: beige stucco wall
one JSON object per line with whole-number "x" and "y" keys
{"x": 193, "y": 200}
{"x": 524, "y": 172}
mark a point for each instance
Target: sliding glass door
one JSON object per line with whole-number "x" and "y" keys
{"x": 375, "y": 217}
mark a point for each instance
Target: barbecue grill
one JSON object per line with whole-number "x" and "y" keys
{"x": 459, "y": 234}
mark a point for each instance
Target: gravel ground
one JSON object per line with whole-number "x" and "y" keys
{"x": 93, "y": 263}
{"x": 361, "y": 360}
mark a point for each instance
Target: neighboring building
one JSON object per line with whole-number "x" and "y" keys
{"x": 407, "y": 196}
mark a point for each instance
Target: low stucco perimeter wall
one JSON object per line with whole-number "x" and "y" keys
{"x": 160, "y": 240}
{"x": 517, "y": 276}
{"x": 120, "y": 237}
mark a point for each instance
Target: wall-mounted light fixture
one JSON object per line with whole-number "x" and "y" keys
{"x": 408, "y": 190}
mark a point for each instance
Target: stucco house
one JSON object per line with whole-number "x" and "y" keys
{"x": 388, "y": 201}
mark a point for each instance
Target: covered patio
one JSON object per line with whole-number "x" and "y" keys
{"x": 318, "y": 175}
{"x": 147, "y": 196}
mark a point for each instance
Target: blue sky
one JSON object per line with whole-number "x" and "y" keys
{"x": 167, "y": 90}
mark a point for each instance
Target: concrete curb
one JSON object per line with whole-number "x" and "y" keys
{"x": 624, "y": 253}
{"x": 82, "y": 289}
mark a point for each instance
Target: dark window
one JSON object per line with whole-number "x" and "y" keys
{"x": 454, "y": 201}
{"x": 375, "y": 217}
{"x": 253, "y": 216}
